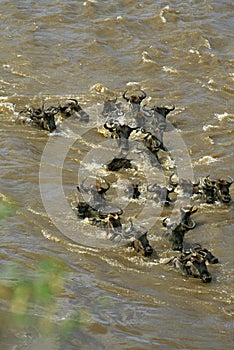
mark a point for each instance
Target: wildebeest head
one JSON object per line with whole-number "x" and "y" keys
{"x": 209, "y": 189}
{"x": 69, "y": 107}
{"x": 84, "y": 210}
{"x": 111, "y": 108}
{"x": 162, "y": 192}
{"x": 122, "y": 131}
{"x": 177, "y": 230}
{"x": 134, "y": 189}
{"x": 135, "y": 100}
{"x": 114, "y": 219}
{"x": 152, "y": 142}
{"x": 119, "y": 163}
{"x": 97, "y": 190}
{"x": 185, "y": 219}
{"x": 161, "y": 113}
{"x": 196, "y": 267}
{"x": 186, "y": 185}
{"x": 49, "y": 120}
{"x": 141, "y": 245}
{"x": 193, "y": 265}
{"x": 205, "y": 253}
{"x": 139, "y": 240}
{"x": 72, "y": 108}
{"x": 222, "y": 188}
{"x": 42, "y": 117}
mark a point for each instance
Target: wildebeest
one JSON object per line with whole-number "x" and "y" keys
{"x": 153, "y": 144}
{"x": 72, "y": 108}
{"x": 216, "y": 190}
{"x": 185, "y": 186}
{"x": 96, "y": 191}
{"x": 135, "y": 106}
{"x": 133, "y": 190}
{"x": 106, "y": 218}
{"x": 135, "y": 100}
{"x": 193, "y": 262}
{"x": 176, "y": 231}
{"x": 222, "y": 189}
{"x": 117, "y": 164}
{"x": 209, "y": 189}
{"x": 160, "y": 114}
{"x": 197, "y": 248}
{"x": 161, "y": 193}
{"x": 122, "y": 132}
{"x": 109, "y": 219}
{"x": 139, "y": 240}
{"x": 44, "y": 118}
{"x": 111, "y": 109}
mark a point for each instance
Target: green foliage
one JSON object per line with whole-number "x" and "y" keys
{"x": 6, "y": 209}
{"x": 27, "y": 296}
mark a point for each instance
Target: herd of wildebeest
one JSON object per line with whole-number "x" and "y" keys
{"x": 149, "y": 127}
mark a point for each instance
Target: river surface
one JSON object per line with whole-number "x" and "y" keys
{"x": 102, "y": 295}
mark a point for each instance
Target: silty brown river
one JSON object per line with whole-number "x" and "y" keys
{"x": 101, "y": 295}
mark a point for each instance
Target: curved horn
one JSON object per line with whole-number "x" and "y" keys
{"x": 120, "y": 211}
{"x": 172, "y": 108}
{"x": 124, "y": 96}
{"x": 189, "y": 227}
{"x": 164, "y": 221}
{"x": 174, "y": 184}
{"x": 110, "y": 128}
{"x": 231, "y": 179}
{"x": 73, "y": 100}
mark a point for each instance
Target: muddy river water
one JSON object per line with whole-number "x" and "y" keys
{"x": 63, "y": 284}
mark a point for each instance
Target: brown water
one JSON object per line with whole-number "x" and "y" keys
{"x": 179, "y": 54}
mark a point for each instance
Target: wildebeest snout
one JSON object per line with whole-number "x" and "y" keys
{"x": 141, "y": 244}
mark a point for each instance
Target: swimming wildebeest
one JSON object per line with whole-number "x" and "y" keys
{"x": 161, "y": 193}
{"x": 72, "y": 108}
{"x": 209, "y": 189}
{"x": 117, "y": 164}
{"x": 160, "y": 114}
{"x": 133, "y": 190}
{"x": 111, "y": 109}
{"x": 153, "y": 144}
{"x": 135, "y": 105}
{"x": 222, "y": 190}
{"x": 109, "y": 219}
{"x": 214, "y": 190}
{"x": 44, "y": 118}
{"x": 106, "y": 218}
{"x": 185, "y": 187}
{"x": 193, "y": 263}
{"x": 139, "y": 241}
{"x": 121, "y": 132}
{"x": 97, "y": 191}
{"x": 135, "y": 100}
{"x": 176, "y": 231}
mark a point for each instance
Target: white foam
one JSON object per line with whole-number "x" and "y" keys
{"x": 169, "y": 69}
{"x": 221, "y": 116}
{"x": 206, "y": 160}
{"x": 210, "y": 127}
